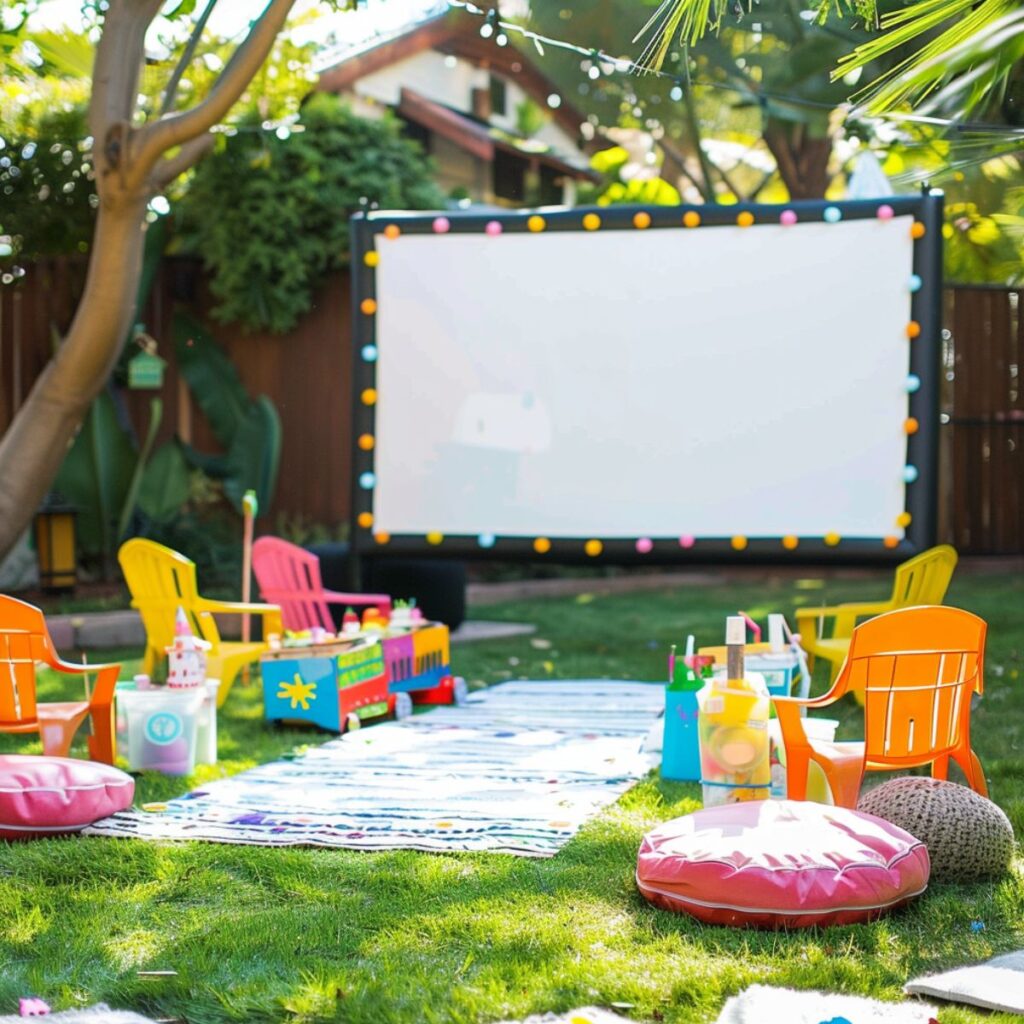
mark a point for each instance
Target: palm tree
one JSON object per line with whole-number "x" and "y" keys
{"x": 963, "y": 56}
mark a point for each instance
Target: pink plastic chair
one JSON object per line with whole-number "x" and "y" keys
{"x": 290, "y": 577}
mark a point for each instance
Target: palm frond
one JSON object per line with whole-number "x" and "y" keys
{"x": 976, "y": 46}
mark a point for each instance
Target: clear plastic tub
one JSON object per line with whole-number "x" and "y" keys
{"x": 161, "y": 726}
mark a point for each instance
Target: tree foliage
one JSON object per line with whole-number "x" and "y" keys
{"x": 268, "y": 212}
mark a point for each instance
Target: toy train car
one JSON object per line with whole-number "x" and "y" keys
{"x": 338, "y": 684}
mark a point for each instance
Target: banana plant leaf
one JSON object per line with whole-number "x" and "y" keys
{"x": 165, "y": 484}
{"x": 211, "y": 378}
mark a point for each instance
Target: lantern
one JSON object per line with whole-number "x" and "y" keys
{"x": 55, "y": 545}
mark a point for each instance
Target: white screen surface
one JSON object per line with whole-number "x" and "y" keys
{"x": 644, "y": 383}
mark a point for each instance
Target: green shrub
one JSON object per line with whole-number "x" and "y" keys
{"x": 269, "y": 214}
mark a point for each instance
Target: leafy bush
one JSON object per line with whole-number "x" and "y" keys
{"x": 268, "y": 214}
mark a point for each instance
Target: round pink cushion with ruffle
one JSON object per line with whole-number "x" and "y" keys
{"x": 41, "y": 796}
{"x": 781, "y": 864}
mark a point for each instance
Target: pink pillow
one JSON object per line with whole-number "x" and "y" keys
{"x": 42, "y": 796}
{"x": 781, "y": 864}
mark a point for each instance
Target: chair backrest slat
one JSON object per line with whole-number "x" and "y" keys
{"x": 24, "y": 640}
{"x": 924, "y": 579}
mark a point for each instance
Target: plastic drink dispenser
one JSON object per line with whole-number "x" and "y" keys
{"x": 680, "y": 754}
{"x": 732, "y": 729}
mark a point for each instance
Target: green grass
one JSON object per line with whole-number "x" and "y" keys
{"x": 320, "y": 935}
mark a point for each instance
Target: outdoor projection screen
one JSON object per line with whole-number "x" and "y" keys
{"x": 642, "y": 388}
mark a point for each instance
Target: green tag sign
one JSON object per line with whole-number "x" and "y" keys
{"x": 360, "y": 666}
{"x": 146, "y": 372}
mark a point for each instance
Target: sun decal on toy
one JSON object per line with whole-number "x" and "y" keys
{"x": 298, "y": 692}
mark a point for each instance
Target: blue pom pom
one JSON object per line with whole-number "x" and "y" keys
{"x": 915, "y": 282}
{"x": 833, "y": 214}
{"x": 913, "y": 383}
{"x": 486, "y": 540}
{"x": 910, "y": 474}
{"x": 366, "y": 481}
{"x": 370, "y": 353}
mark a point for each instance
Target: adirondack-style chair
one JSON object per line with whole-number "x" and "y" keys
{"x": 921, "y": 580}
{"x": 25, "y": 643}
{"x": 289, "y": 576}
{"x": 917, "y": 669}
{"x": 161, "y": 581}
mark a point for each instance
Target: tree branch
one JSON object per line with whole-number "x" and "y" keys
{"x": 169, "y": 167}
{"x": 175, "y": 129}
{"x": 186, "y": 58}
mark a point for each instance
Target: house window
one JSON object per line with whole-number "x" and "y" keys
{"x": 499, "y": 98}
{"x": 509, "y": 177}
{"x": 551, "y": 191}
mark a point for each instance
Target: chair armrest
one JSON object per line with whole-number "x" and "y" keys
{"x": 336, "y": 597}
{"x": 106, "y": 678}
{"x": 846, "y": 616}
{"x": 270, "y": 613}
{"x": 790, "y": 721}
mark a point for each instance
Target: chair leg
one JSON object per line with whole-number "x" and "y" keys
{"x": 940, "y": 767}
{"x": 971, "y": 766}
{"x": 57, "y": 732}
{"x": 796, "y": 774}
{"x": 102, "y": 744}
{"x": 845, "y": 785}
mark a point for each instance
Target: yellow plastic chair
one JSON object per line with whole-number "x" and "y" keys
{"x": 161, "y": 581}
{"x": 922, "y": 580}
{"x": 918, "y": 669}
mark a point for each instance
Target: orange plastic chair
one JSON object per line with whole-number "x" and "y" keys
{"x": 161, "y": 581}
{"x": 921, "y": 580}
{"x": 24, "y": 643}
{"x": 918, "y": 669}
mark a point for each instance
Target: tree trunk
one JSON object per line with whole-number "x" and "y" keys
{"x": 802, "y": 159}
{"x": 34, "y": 446}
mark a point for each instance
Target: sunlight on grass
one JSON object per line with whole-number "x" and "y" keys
{"x": 299, "y": 935}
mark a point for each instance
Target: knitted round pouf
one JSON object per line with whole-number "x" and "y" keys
{"x": 968, "y": 837}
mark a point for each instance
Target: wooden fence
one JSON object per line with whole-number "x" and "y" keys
{"x": 983, "y": 416}
{"x": 306, "y": 373}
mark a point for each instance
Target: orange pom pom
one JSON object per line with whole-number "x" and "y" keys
{"x": 642, "y": 220}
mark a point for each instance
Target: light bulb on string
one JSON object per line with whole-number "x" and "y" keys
{"x": 676, "y": 92}
{"x": 487, "y": 28}
{"x": 501, "y": 39}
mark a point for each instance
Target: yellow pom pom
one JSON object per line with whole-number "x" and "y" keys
{"x": 904, "y": 519}
{"x": 365, "y": 520}
{"x": 536, "y": 223}
{"x": 832, "y": 539}
{"x": 738, "y": 543}
{"x": 542, "y": 545}
{"x": 691, "y": 219}
{"x": 790, "y": 542}
{"x": 366, "y": 442}
{"x": 435, "y": 538}
{"x": 593, "y": 548}
{"x": 745, "y": 219}
{"x": 591, "y": 221}
{"x": 368, "y": 307}
{"x": 369, "y": 396}
{"x": 372, "y": 258}
{"x": 642, "y": 220}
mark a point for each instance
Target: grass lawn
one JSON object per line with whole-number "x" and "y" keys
{"x": 321, "y": 935}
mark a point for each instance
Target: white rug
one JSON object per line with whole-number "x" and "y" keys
{"x": 516, "y": 770}
{"x": 763, "y": 1004}
{"x": 997, "y": 984}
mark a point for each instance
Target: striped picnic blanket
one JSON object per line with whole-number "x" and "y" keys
{"x": 516, "y": 770}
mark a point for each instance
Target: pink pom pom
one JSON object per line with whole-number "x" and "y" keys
{"x": 886, "y": 212}
{"x": 493, "y": 228}
{"x": 787, "y": 218}
{"x": 686, "y": 542}
{"x": 644, "y": 545}
{"x": 441, "y": 225}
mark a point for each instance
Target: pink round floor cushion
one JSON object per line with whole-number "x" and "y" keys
{"x": 781, "y": 864}
{"x": 45, "y": 796}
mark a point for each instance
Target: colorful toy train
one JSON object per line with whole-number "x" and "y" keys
{"x": 338, "y": 682}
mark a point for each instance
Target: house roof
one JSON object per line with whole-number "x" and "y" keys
{"x": 483, "y": 140}
{"x": 457, "y": 33}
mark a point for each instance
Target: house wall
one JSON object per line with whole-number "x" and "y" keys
{"x": 551, "y": 133}
{"x": 427, "y": 74}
